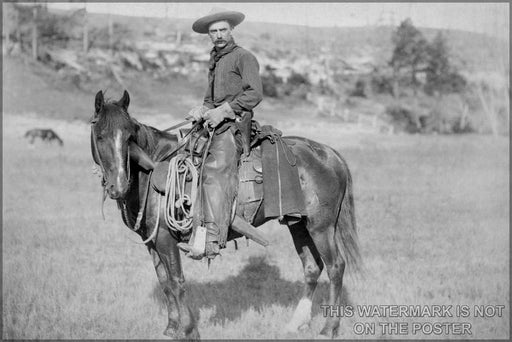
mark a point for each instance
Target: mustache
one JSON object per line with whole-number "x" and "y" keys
{"x": 220, "y": 41}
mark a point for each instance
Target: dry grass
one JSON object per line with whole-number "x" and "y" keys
{"x": 433, "y": 214}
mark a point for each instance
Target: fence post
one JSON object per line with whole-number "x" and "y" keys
{"x": 110, "y": 34}
{"x": 86, "y": 30}
{"x": 34, "y": 33}
{"x": 488, "y": 106}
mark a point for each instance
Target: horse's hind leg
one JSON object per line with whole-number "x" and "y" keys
{"x": 312, "y": 264}
{"x": 325, "y": 242}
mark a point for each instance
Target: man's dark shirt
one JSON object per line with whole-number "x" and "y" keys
{"x": 237, "y": 81}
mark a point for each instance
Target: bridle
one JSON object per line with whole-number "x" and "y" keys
{"x": 97, "y": 160}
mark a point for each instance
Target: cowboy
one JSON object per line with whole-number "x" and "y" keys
{"x": 234, "y": 89}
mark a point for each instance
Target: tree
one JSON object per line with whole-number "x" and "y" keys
{"x": 410, "y": 51}
{"x": 441, "y": 75}
{"x": 270, "y": 81}
{"x": 12, "y": 29}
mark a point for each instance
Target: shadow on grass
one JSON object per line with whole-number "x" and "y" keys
{"x": 258, "y": 285}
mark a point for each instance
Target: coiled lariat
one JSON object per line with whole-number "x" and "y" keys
{"x": 180, "y": 205}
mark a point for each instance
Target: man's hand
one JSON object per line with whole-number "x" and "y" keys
{"x": 215, "y": 116}
{"x": 198, "y": 112}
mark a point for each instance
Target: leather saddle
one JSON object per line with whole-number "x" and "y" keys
{"x": 250, "y": 186}
{"x": 258, "y": 172}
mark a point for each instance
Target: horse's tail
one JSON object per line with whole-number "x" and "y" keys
{"x": 345, "y": 235}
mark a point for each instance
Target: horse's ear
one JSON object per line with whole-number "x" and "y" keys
{"x": 125, "y": 100}
{"x": 99, "y": 102}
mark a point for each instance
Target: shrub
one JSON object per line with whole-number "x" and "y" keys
{"x": 462, "y": 125}
{"x": 270, "y": 82}
{"x": 269, "y": 86}
{"x": 404, "y": 118}
{"x": 381, "y": 84}
{"x": 297, "y": 79}
{"x": 359, "y": 89}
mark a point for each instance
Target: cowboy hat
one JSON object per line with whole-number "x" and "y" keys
{"x": 201, "y": 25}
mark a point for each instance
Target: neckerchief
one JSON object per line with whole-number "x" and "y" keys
{"x": 215, "y": 56}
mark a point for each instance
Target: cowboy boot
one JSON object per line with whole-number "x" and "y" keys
{"x": 204, "y": 243}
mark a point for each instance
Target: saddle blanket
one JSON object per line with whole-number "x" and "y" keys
{"x": 281, "y": 184}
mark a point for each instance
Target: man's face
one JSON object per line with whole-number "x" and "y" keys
{"x": 220, "y": 33}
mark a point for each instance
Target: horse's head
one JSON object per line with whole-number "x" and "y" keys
{"x": 112, "y": 131}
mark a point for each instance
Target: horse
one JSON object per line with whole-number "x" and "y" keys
{"x": 125, "y": 149}
{"x": 46, "y": 134}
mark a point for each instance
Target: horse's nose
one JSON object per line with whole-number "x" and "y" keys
{"x": 113, "y": 193}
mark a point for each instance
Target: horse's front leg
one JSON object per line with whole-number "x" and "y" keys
{"x": 167, "y": 262}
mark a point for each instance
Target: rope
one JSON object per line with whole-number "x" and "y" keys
{"x": 180, "y": 168}
{"x": 157, "y": 225}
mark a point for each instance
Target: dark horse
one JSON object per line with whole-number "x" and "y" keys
{"x": 45, "y": 134}
{"x": 122, "y": 147}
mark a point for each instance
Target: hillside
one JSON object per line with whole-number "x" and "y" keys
{"x": 475, "y": 51}
{"x": 163, "y": 64}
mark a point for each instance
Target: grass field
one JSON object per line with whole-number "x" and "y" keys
{"x": 432, "y": 212}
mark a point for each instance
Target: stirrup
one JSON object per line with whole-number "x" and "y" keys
{"x": 211, "y": 250}
{"x": 197, "y": 242}
{"x": 198, "y": 248}
{"x": 191, "y": 251}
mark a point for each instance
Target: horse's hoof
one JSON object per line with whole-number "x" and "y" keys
{"x": 176, "y": 333}
{"x": 292, "y": 328}
{"x": 172, "y": 330}
{"x": 193, "y": 336}
{"x": 328, "y": 333}
{"x": 322, "y": 337}
{"x": 171, "y": 333}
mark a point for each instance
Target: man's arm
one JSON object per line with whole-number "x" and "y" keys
{"x": 208, "y": 100}
{"x": 252, "y": 93}
{"x": 198, "y": 112}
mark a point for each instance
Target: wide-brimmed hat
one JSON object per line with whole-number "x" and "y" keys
{"x": 201, "y": 25}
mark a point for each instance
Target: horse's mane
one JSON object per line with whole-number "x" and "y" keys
{"x": 146, "y": 136}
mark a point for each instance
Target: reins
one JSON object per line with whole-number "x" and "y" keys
{"x": 102, "y": 169}
{"x": 181, "y": 124}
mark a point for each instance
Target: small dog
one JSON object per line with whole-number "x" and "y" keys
{"x": 47, "y": 135}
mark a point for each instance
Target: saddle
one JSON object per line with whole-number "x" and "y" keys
{"x": 267, "y": 170}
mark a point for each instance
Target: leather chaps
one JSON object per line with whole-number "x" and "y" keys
{"x": 219, "y": 185}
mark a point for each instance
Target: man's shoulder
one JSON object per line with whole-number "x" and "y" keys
{"x": 243, "y": 52}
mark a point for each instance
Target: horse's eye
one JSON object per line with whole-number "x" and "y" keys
{"x": 99, "y": 137}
